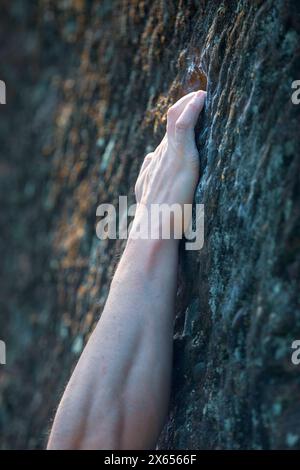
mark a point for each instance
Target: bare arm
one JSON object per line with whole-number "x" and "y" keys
{"x": 117, "y": 397}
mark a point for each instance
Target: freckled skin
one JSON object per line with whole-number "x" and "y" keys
{"x": 118, "y": 395}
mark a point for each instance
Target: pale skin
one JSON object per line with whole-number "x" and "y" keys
{"x": 118, "y": 395}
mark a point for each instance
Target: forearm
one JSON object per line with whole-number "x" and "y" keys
{"x": 123, "y": 376}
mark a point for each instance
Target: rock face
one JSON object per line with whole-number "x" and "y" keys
{"x": 88, "y": 87}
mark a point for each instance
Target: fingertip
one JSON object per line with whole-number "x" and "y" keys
{"x": 201, "y": 95}
{"x": 200, "y": 99}
{"x": 190, "y": 95}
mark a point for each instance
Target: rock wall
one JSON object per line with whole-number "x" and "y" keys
{"x": 88, "y": 87}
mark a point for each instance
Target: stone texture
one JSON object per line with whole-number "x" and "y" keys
{"x": 89, "y": 84}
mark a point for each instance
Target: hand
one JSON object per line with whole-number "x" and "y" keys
{"x": 169, "y": 175}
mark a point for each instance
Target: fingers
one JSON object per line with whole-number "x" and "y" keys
{"x": 185, "y": 124}
{"x": 175, "y": 111}
{"x": 181, "y": 127}
{"x": 150, "y": 157}
{"x": 182, "y": 118}
{"x": 146, "y": 162}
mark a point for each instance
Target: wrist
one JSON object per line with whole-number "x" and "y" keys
{"x": 157, "y": 224}
{"x": 148, "y": 255}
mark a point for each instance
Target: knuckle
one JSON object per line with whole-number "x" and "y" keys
{"x": 136, "y": 187}
{"x": 146, "y": 163}
{"x": 181, "y": 126}
{"x": 171, "y": 113}
{"x": 193, "y": 105}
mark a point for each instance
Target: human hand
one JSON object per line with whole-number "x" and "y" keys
{"x": 170, "y": 173}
